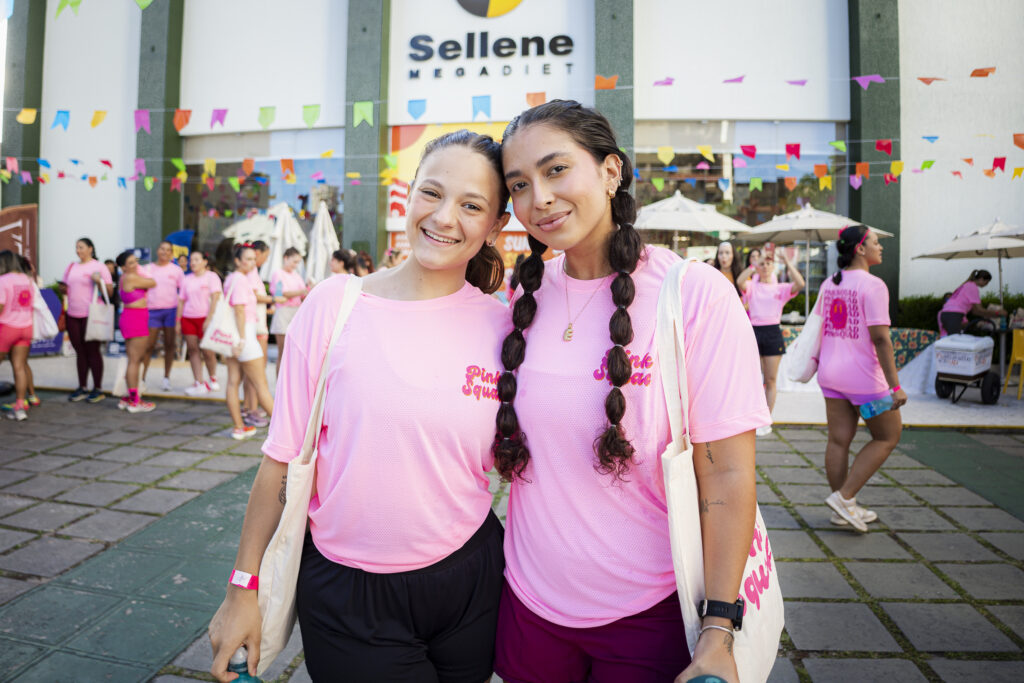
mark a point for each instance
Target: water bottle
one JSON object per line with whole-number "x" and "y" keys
{"x": 238, "y": 665}
{"x": 876, "y": 407}
{"x": 279, "y": 289}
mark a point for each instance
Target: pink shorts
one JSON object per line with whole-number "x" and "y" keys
{"x": 135, "y": 322}
{"x": 855, "y": 399}
{"x": 14, "y": 336}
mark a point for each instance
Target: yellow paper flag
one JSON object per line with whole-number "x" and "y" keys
{"x": 782, "y": 167}
{"x": 210, "y": 167}
{"x": 290, "y": 179}
{"x": 97, "y": 117}
{"x": 666, "y": 154}
{"x": 353, "y": 174}
{"x": 825, "y": 182}
{"x": 705, "y": 151}
{"x": 182, "y": 176}
{"x": 26, "y": 116}
{"x": 1017, "y": 172}
{"x": 896, "y": 168}
{"x": 327, "y": 154}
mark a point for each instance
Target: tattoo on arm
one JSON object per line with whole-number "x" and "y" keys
{"x": 705, "y": 505}
{"x": 281, "y": 497}
{"x": 728, "y": 642}
{"x": 708, "y": 446}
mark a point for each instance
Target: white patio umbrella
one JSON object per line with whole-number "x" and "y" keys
{"x": 679, "y": 213}
{"x": 323, "y": 241}
{"x": 258, "y": 227}
{"x": 987, "y": 241}
{"x": 806, "y": 224}
{"x": 287, "y": 233}
{"x": 1001, "y": 229}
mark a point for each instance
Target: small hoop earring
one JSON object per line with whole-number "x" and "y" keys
{"x": 611, "y": 192}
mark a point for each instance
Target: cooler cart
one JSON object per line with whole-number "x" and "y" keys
{"x": 963, "y": 361}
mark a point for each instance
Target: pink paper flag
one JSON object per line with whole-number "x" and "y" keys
{"x": 1000, "y": 163}
{"x": 357, "y": 182}
{"x": 799, "y": 81}
{"x": 133, "y": 178}
{"x": 218, "y": 117}
{"x": 319, "y": 175}
{"x": 142, "y": 120}
{"x": 738, "y": 79}
{"x": 175, "y": 184}
{"x": 12, "y": 164}
{"x": 884, "y": 146}
{"x": 703, "y": 166}
{"x": 792, "y": 149}
{"x": 856, "y": 181}
{"x": 140, "y": 166}
{"x": 863, "y": 81}
{"x": 749, "y": 150}
{"x": 958, "y": 174}
{"x": 26, "y": 178}
{"x": 665, "y": 81}
{"x": 890, "y": 178}
{"x": 739, "y": 162}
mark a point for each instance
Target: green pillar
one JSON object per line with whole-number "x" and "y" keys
{"x": 613, "y": 46}
{"x": 874, "y": 49}
{"x": 158, "y": 211}
{"x": 366, "y": 75}
{"x": 23, "y": 87}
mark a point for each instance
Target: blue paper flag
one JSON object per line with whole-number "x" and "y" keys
{"x": 930, "y": 138}
{"x": 692, "y": 181}
{"x": 636, "y": 173}
{"x": 121, "y": 182}
{"x": 75, "y": 161}
{"x": 62, "y": 118}
{"x": 85, "y": 176}
{"x": 481, "y": 105}
{"x": 10, "y": 8}
{"x": 671, "y": 169}
{"x": 44, "y": 163}
{"x": 417, "y": 107}
{"x": 723, "y": 184}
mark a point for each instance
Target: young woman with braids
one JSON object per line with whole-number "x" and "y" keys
{"x": 590, "y": 592}
{"x": 401, "y": 573}
{"x": 856, "y": 366}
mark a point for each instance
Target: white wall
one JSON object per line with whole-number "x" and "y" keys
{"x": 701, "y": 43}
{"x": 245, "y": 54}
{"x": 83, "y": 72}
{"x": 948, "y": 39}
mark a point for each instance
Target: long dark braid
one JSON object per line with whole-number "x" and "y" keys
{"x": 591, "y": 131}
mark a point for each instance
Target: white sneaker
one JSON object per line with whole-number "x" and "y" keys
{"x": 867, "y": 515}
{"x": 213, "y": 384}
{"x": 763, "y": 431}
{"x": 197, "y": 389}
{"x": 846, "y": 509}
{"x": 166, "y": 385}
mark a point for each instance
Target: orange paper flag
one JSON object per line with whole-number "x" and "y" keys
{"x": 248, "y": 165}
{"x": 820, "y": 170}
{"x": 92, "y": 181}
{"x": 983, "y": 73}
{"x": 929, "y": 81}
{"x": 181, "y": 117}
{"x": 287, "y": 167}
{"x": 864, "y": 169}
{"x": 536, "y": 98}
{"x": 969, "y": 161}
{"x": 790, "y": 183}
{"x": 602, "y": 83}
{"x": 1018, "y": 139}
{"x": 990, "y": 172}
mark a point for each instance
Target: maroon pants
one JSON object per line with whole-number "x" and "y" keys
{"x": 90, "y": 358}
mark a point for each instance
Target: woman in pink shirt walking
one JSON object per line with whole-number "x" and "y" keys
{"x": 134, "y": 287}
{"x": 401, "y": 571}
{"x": 765, "y": 300}
{"x": 856, "y": 366}
{"x": 16, "y": 297}
{"x": 287, "y": 284}
{"x": 200, "y": 291}
{"x": 79, "y": 284}
{"x": 163, "y": 308}
{"x": 966, "y": 301}
{"x": 590, "y": 589}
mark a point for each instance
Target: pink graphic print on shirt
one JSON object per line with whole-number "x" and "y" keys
{"x": 843, "y": 314}
{"x": 639, "y": 379}
{"x": 482, "y": 390}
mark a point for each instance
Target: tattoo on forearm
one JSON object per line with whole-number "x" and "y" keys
{"x": 281, "y": 497}
{"x": 705, "y": 505}
{"x": 728, "y": 642}
{"x": 709, "y": 454}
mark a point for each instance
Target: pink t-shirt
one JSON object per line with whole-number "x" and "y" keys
{"x": 78, "y": 278}
{"x": 196, "y": 292}
{"x": 766, "y": 301}
{"x": 408, "y": 422}
{"x": 16, "y": 296}
{"x": 168, "y": 282}
{"x": 288, "y": 282}
{"x": 848, "y": 362}
{"x": 581, "y": 548}
{"x": 241, "y": 294}
{"x": 965, "y": 296}
{"x": 257, "y": 285}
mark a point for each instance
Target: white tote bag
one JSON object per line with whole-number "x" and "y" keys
{"x": 756, "y": 645}
{"x": 279, "y": 569}
{"x": 44, "y": 327}
{"x": 100, "y": 324}
{"x": 803, "y": 353}
{"x": 221, "y": 335}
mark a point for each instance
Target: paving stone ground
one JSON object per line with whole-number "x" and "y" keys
{"x": 117, "y": 532}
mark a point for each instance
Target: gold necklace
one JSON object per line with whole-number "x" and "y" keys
{"x": 567, "y": 334}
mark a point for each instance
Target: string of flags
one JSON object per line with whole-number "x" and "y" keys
{"x": 864, "y": 81}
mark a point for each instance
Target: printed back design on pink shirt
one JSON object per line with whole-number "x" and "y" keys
{"x": 16, "y": 295}
{"x": 843, "y": 313}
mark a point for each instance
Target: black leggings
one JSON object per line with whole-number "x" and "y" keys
{"x": 88, "y": 352}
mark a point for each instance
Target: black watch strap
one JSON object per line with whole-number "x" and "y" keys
{"x": 725, "y": 610}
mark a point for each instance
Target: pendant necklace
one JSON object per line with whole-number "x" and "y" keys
{"x": 567, "y": 334}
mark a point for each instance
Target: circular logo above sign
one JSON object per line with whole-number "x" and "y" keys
{"x": 489, "y": 8}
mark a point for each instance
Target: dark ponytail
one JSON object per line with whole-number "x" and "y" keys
{"x": 591, "y": 131}
{"x": 849, "y": 239}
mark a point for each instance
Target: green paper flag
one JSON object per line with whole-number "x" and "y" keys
{"x": 73, "y": 4}
{"x": 266, "y": 116}
{"x": 233, "y": 182}
{"x": 178, "y": 163}
{"x": 659, "y": 183}
{"x": 391, "y": 160}
{"x": 362, "y": 111}
{"x": 755, "y": 184}
{"x": 927, "y": 164}
{"x": 839, "y": 144}
{"x": 149, "y": 181}
{"x": 310, "y": 114}
{"x": 143, "y": 4}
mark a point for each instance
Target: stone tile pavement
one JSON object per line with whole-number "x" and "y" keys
{"x": 117, "y": 530}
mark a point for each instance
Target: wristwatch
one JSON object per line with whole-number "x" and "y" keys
{"x": 727, "y": 610}
{"x": 244, "y": 580}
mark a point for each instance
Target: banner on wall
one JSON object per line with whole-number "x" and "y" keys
{"x": 488, "y": 56}
{"x": 18, "y": 225}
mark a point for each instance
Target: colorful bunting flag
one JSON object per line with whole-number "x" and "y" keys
{"x": 327, "y": 154}
{"x": 890, "y": 178}
{"x": 535, "y": 99}
{"x": 5, "y": 176}
{"x": 737, "y": 79}
{"x": 856, "y": 181}
{"x": 666, "y": 154}
{"x": 659, "y": 183}
{"x": 1000, "y": 163}
{"x": 792, "y": 149}
{"x": 12, "y": 164}
{"x": 178, "y": 163}
{"x": 749, "y": 150}
{"x": 353, "y": 174}
{"x": 61, "y": 118}
{"x": 605, "y": 83}
{"x": 705, "y": 151}
{"x": 266, "y": 116}
{"x": 990, "y": 172}
{"x": 820, "y": 170}
{"x": 248, "y": 165}
{"x": 825, "y": 182}
{"x": 702, "y": 166}
{"x": 142, "y": 120}
{"x": 218, "y": 116}
{"x": 175, "y": 185}
{"x": 930, "y": 138}
{"x": 983, "y": 72}
{"x": 235, "y": 184}
{"x": 1017, "y": 171}
{"x": 391, "y": 160}
{"x": 26, "y": 178}
{"x": 671, "y": 169}
{"x": 181, "y": 175}
{"x": 798, "y": 81}
{"x": 884, "y": 146}
{"x": 928, "y": 163}
{"x": 1018, "y": 139}
{"x": 291, "y": 179}
{"x": 416, "y": 108}
{"x": 739, "y": 162}
{"x": 723, "y": 184}
{"x": 790, "y": 182}
{"x": 782, "y": 167}
{"x": 865, "y": 81}
{"x": 43, "y": 163}
{"x": 181, "y": 118}
{"x": 26, "y": 116}
{"x": 362, "y": 111}
{"x": 73, "y": 4}
{"x": 481, "y": 105}
{"x": 839, "y": 145}
{"x": 968, "y": 160}
{"x": 121, "y": 182}
{"x": 287, "y": 166}
{"x": 668, "y": 80}
{"x": 863, "y": 169}
{"x": 210, "y": 183}
{"x": 958, "y": 174}
{"x": 311, "y": 114}
{"x": 97, "y": 117}
{"x": 756, "y": 184}
{"x": 896, "y": 168}
{"x": 143, "y": 4}
{"x": 107, "y": 163}
{"x": 148, "y": 182}
{"x": 140, "y": 166}
{"x": 319, "y": 175}
{"x": 210, "y": 167}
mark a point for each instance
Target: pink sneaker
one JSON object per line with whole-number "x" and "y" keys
{"x": 141, "y": 407}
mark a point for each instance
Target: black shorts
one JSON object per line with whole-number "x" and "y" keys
{"x": 769, "y": 340}
{"x": 435, "y": 624}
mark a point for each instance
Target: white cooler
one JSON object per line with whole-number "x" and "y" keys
{"x": 963, "y": 355}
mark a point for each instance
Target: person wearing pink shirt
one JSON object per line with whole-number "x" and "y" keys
{"x": 134, "y": 286}
{"x": 286, "y": 283}
{"x": 764, "y": 301}
{"x": 401, "y": 571}
{"x": 200, "y": 291}
{"x": 163, "y": 308}
{"x": 79, "y": 283}
{"x": 590, "y": 590}
{"x": 966, "y": 300}
{"x": 252, "y": 414}
{"x": 16, "y": 297}
{"x": 856, "y": 365}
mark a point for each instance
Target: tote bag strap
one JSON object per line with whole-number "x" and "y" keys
{"x": 348, "y": 301}
{"x": 670, "y": 340}
{"x": 102, "y": 291}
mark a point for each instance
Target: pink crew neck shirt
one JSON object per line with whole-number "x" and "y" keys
{"x": 241, "y": 294}
{"x": 78, "y": 278}
{"x": 16, "y": 295}
{"x": 289, "y": 282}
{"x": 196, "y": 291}
{"x": 765, "y": 301}
{"x": 848, "y": 362}
{"x": 408, "y": 422}
{"x": 965, "y": 296}
{"x": 582, "y": 549}
{"x": 168, "y": 282}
